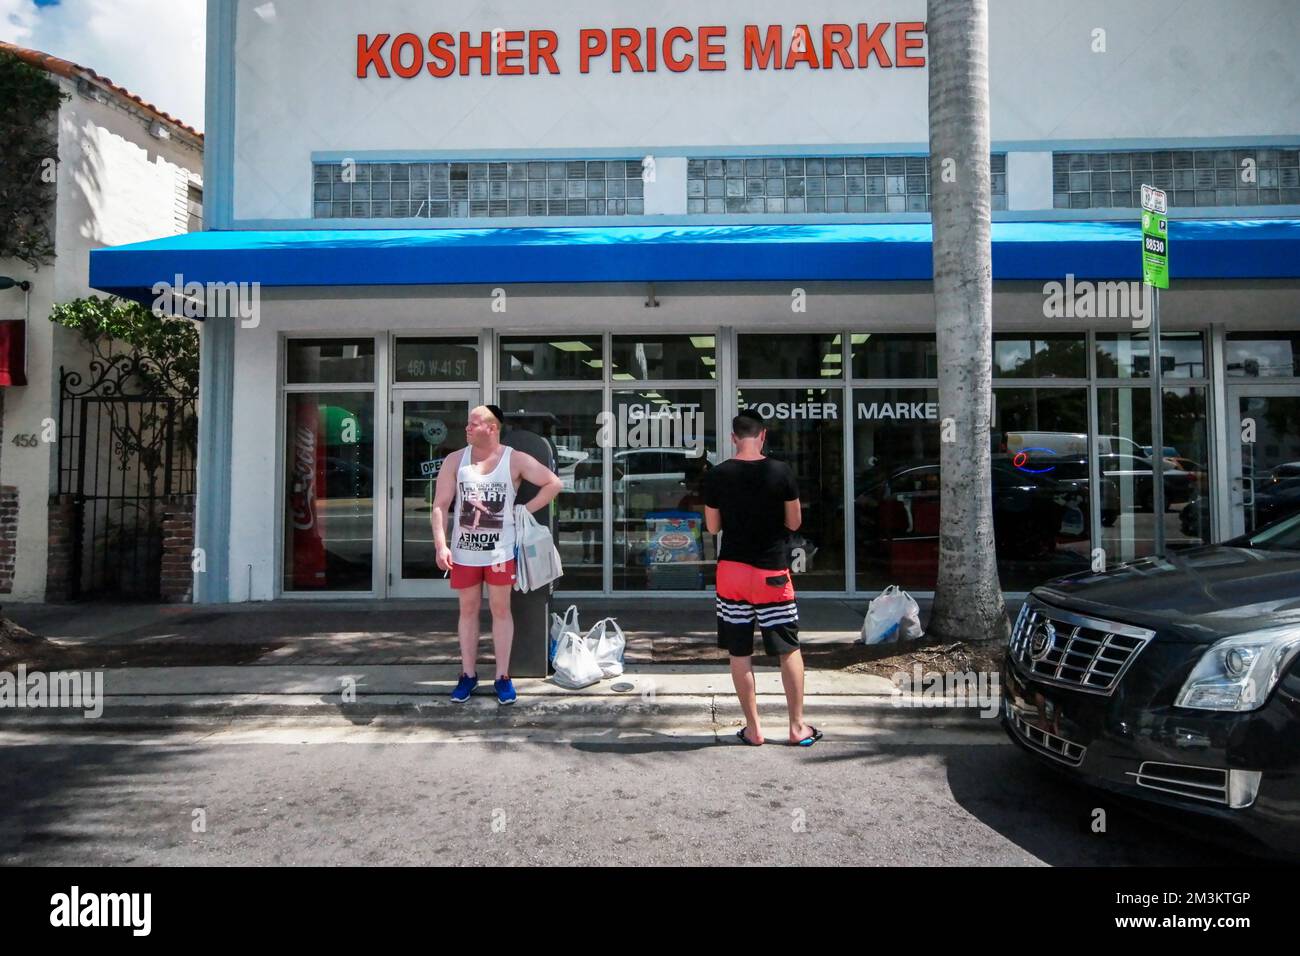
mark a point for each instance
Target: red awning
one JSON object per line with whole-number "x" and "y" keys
{"x": 13, "y": 352}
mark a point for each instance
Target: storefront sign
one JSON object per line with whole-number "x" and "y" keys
{"x": 1155, "y": 237}
{"x": 1024, "y": 462}
{"x": 915, "y": 411}
{"x": 677, "y": 49}
{"x": 439, "y": 370}
{"x": 793, "y": 411}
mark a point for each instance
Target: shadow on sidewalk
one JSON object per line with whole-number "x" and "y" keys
{"x": 379, "y": 632}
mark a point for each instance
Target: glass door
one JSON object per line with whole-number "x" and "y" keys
{"x": 427, "y": 426}
{"x": 1264, "y": 457}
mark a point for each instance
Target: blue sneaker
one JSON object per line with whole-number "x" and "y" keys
{"x": 505, "y": 691}
{"x": 464, "y": 687}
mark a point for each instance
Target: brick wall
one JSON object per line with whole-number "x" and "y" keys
{"x": 58, "y": 570}
{"x": 8, "y": 536}
{"x": 177, "y": 585}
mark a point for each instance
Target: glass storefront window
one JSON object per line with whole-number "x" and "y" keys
{"x": 329, "y": 492}
{"x": 1044, "y": 450}
{"x": 1182, "y": 355}
{"x": 1124, "y": 433}
{"x": 896, "y": 487}
{"x": 432, "y": 429}
{"x": 1268, "y": 470}
{"x": 662, "y": 444}
{"x": 806, "y": 431}
{"x": 672, "y": 357}
{"x": 570, "y": 421}
{"x": 436, "y": 360}
{"x": 1041, "y": 497}
{"x": 331, "y": 361}
{"x": 1263, "y": 354}
{"x": 807, "y": 355}
{"x": 1128, "y": 355}
{"x": 892, "y": 355}
{"x": 1123, "y": 355}
{"x": 1187, "y": 452}
{"x": 1017, "y": 355}
{"x": 552, "y": 358}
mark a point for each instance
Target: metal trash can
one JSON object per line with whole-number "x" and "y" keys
{"x": 531, "y": 610}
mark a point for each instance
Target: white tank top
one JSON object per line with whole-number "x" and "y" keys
{"x": 484, "y": 533}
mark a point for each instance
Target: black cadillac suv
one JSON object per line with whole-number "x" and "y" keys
{"x": 1175, "y": 680}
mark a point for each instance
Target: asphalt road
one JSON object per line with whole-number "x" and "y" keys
{"x": 330, "y": 793}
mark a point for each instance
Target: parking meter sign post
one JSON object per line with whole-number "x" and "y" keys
{"x": 1155, "y": 237}
{"x": 1155, "y": 274}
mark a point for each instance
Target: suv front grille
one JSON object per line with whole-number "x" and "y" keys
{"x": 1199, "y": 783}
{"x": 1229, "y": 788}
{"x": 1072, "y": 650}
{"x": 1058, "y": 748}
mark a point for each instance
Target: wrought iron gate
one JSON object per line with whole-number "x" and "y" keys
{"x": 126, "y": 444}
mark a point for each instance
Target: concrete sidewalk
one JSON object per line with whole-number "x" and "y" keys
{"x": 386, "y": 632}
{"x": 657, "y": 698}
{"x": 398, "y": 661}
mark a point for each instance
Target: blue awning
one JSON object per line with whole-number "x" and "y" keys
{"x": 1200, "y": 249}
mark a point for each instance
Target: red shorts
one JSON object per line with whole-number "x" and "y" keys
{"x": 747, "y": 594}
{"x": 472, "y": 576}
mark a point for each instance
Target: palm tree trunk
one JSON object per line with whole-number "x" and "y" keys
{"x": 968, "y": 602}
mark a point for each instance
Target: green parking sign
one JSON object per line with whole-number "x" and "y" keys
{"x": 1155, "y": 237}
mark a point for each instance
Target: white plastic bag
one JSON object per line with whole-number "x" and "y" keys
{"x": 894, "y": 616}
{"x": 608, "y": 644}
{"x": 575, "y": 664}
{"x": 559, "y": 625}
{"x": 521, "y": 572}
{"x": 538, "y": 562}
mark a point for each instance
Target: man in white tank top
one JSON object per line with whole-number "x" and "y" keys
{"x": 476, "y": 487}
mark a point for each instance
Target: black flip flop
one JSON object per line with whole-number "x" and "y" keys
{"x": 744, "y": 740}
{"x": 810, "y": 740}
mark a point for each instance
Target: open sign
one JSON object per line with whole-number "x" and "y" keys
{"x": 1022, "y": 461}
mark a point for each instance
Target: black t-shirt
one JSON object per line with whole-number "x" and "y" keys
{"x": 751, "y": 496}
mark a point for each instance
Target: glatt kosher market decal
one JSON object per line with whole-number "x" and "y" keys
{"x": 676, "y": 49}
{"x": 829, "y": 411}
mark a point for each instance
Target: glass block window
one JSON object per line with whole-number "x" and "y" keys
{"x": 1262, "y": 176}
{"x": 472, "y": 190}
{"x": 819, "y": 184}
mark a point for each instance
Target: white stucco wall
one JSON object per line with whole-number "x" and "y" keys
{"x": 116, "y": 184}
{"x": 1060, "y": 71}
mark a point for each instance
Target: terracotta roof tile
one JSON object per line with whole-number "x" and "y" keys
{"x": 74, "y": 71}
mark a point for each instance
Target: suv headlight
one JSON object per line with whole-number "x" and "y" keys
{"x": 1238, "y": 673}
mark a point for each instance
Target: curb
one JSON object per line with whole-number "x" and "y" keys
{"x": 576, "y": 711}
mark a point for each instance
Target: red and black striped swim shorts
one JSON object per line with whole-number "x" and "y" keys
{"x": 747, "y": 594}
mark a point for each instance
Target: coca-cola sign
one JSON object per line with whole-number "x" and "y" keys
{"x": 306, "y": 484}
{"x": 302, "y": 495}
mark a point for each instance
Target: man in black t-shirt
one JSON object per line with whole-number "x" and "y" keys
{"x": 754, "y": 502}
